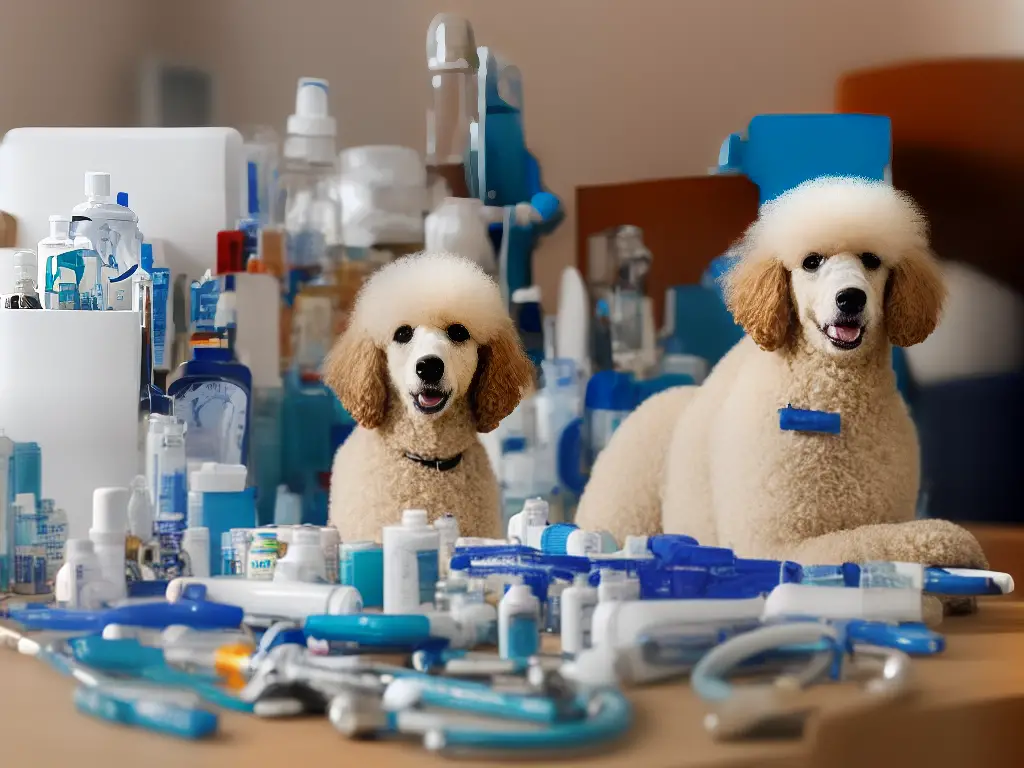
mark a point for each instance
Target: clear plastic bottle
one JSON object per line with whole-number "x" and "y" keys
{"x": 25, "y": 295}
{"x": 309, "y": 196}
{"x": 58, "y": 242}
{"x": 452, "y": 62}
{"x": 172, "y": 507}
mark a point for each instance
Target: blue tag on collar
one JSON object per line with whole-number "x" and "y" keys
{"x": 802, "y": 420}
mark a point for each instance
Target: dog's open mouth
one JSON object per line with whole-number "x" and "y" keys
{"x": 431, "y": 400}
{"x": 845, "y": 335}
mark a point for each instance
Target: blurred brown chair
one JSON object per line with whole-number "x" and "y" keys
{"x": 958, "y": 148}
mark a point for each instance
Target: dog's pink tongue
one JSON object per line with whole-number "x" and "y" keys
{"x": 429, "y": 401}
{"x": 846, "y": 333}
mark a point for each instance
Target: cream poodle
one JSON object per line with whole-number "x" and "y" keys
{"x": 429, "y": 359}
{"x": 829, "y": 277}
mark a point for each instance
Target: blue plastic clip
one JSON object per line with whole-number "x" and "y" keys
{"x": 802, "y": 420}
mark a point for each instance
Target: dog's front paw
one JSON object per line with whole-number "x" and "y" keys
{"x": 938, "y": 542}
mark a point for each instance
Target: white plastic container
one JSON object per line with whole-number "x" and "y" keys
{"x": 80, "y": 584}
{"x": 617, "y": 585}
{"x": 275, "y": 599}
{"x": 304, "y": 560}
{"x": 578, "y": 604}
{"x": 108, "y": 533}
{"x": 140, "y": 510}
{"x": 534, "y": 517}
{"x": 518, "y": 623}
{"x": 448, "y": 533}
{"x": 262, "y": 555}
{"x": 212, "y": 477}
{"x": 410, "y": 564}
{"x": 196, "y": 543}
{"x": 618, "y": 623}
{"x": 891, "y": 604}
{"x": 383, "y": 196}
{"x": 287, "y": 507}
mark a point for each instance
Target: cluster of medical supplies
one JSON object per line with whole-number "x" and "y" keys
{"x": 289, "y": 627}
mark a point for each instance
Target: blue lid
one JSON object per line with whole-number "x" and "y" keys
{"x": 555, "y": 537}
{"x": 673, "y": 551}
{"x": 122, "y": 199}
{"x": 147, "y": 257}
{"x": 611, "y": 391}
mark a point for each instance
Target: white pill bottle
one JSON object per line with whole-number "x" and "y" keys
{"x": 410, "y": 563}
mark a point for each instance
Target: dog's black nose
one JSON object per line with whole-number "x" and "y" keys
{"x": 851, "y": 300}
{"x": 430, "y": 369}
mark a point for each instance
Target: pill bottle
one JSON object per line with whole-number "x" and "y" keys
{"x": 578, "y": 603}
{"x": 518, "y": 623}
{"x": 262, "y": 555}
{"x": 410, "y": 563}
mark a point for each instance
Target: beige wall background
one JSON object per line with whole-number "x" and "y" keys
{"x": 614, "y": 89}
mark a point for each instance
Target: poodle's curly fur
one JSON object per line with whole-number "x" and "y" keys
{"x": 723, "y": 470}
{"x": 372, "y": 479}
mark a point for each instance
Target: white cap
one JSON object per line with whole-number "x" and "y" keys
{"x": 60, "y": 226}
{"x": 24, "y": 263}
{"x": 218, "y": 478}
{"x": 312, "y": 115}
{"x": 110, "y": 510}
{"x": 343, "y": 600}
{"x": 528, "y": 295}
{"x": 451, "y": 43}
{"x": 414, "y": 517}
{"x": 79, "y": 547}
{"x": 97, "y": 184}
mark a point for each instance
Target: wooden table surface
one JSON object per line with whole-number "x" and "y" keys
{"x": 967, "y": 710}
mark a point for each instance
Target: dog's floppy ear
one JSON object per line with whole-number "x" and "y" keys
{"x": 356, "y": 369}
{"x": 503, "y": 375}
{"x": 913, "y": 298}
{"x": 757, "y": 294}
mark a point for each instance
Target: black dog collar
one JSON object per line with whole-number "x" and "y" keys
{"x": 441, "y": 465}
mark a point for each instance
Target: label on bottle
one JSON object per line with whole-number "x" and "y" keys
{"x": 427, "y": 574}
{"x": 215, "y": 414}
{"x": 262, "y": 558}
{"x": 523, "y": 637}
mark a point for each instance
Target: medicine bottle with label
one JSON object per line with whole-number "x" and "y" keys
{"x": 410, "y": 564}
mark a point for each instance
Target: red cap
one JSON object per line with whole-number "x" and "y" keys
{"x": 230, "y": 252}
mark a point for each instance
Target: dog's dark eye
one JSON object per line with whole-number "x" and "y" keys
{"x": 458, "y": 333}
{"x": 870, "y": 261}
{"x": 403, "y": 335}
{"x": 812, "y": 261}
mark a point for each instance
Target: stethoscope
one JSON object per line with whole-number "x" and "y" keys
{"x": 741, "y": 710}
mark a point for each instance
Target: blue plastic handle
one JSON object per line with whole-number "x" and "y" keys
{"x": 194, "y": 614}
{"x": 939, "y": 581}
{"x": 151, "y": 714}
{"x": 912, "y": 638}
{"x": 379, "y": 630}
